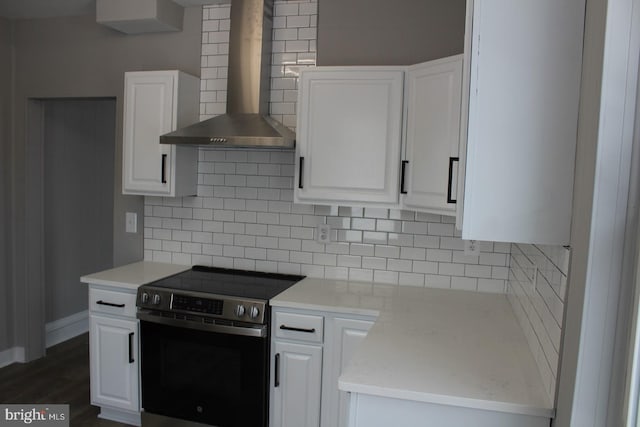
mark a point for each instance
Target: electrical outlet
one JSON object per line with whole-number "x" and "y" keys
{"x": 471, "y": 247}
{"x": 323, "y": 233}
{"x": 131, "y": 222}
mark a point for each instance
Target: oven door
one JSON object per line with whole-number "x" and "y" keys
{"x": 202, "y": 376}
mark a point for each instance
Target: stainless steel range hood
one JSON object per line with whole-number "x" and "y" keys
{"x": 246, "y": 124}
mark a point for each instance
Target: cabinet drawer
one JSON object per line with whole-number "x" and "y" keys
{"x": 301, "y": 327}
{"x": 112, "y": 302}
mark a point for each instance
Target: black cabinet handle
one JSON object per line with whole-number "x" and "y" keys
{"x": 164, "y": 168}
{"x": 110, "y": 304}
{"x": 300, "y": 184}
{"x": 290, "y": 328}
{"x": 404, "y": 167}
{"x": 276, "y": 379}
{"x": 131, "y": 360}
{"x": 449, "y": 189}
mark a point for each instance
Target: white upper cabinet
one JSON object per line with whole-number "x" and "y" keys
{"x": 349, "y": 136}
{"x": 432, "y": 136}
{"x": 155, "y": 103}
{"x": 525, "y": 69}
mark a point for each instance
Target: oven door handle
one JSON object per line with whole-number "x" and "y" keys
{"x": 259, "y": 331}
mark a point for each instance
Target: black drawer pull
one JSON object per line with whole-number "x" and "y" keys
{"x": 300, "y": 183}
{"x": 404, "y": 167}
{"x": 110, "y": 304}
{"x": 164, "y": 169}
{"x": 290, "y": 328}
{"x": 131, "y": 360}
{"x": 449, "y": 189}
{"x": 276, "y": 380}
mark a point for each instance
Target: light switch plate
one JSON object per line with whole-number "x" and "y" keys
{"x": 131, "y": 222}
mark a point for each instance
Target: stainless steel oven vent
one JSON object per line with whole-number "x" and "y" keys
{"x": 246, "y": 124}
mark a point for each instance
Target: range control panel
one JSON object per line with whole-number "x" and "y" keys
{"x": 204, "y": 304}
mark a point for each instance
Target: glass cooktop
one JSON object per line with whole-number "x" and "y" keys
{"x": 229, "y": 282}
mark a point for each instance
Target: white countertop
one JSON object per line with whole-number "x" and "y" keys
{"x": 430, "y": 345}
{"x": 131, "y": 276}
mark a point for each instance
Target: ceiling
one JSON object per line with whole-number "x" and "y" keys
{"x": 28, "y": 9}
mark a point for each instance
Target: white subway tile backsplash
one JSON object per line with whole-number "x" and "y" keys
{"x": 374, "y": 237}
{"x": 266, "y": 242}
{"x": 413, "y": 253}
{"x": 325, "y": 259}
{"x": 437, "y": 281}
{"x": 387, "y": 251}
{"x": 244, "y": 215}
{"x": 396, "y": 239}
{"x": 361, "y": 274}
{"x": 349, "y": 261}
{"x": 539, "y": 308}
{"x": 479, "y": 271}
{"x": 464, "y": 283}
{"x": 413, "y": 227}
{"x": 493, "y": 259}
{"x": 411, "y": 279}
{"x": 374, "y": 263}
{"x": 255, "y": 253}
{"x": 362, "y": 249}
{"x": 491, "y": 285}
{"x": 385, "y": 276}
{"x": 399, "y": 265}
{"x": 350, "y": 212}
{"x": 363, "y": 224}
{"x": 440, "y": 229}
{"x": 390, "y": 226}
{"x": 440, "y": 255}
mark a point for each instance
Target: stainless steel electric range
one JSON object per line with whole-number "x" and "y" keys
{"x": 205, "y": 347}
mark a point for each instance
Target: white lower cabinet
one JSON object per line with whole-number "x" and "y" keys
{"x": 113, "y": 352}
{"x": 343, "y": 337}
{"x": 308, "y": 353}
{"x": 297, "y": 382}
{"x": 114, "y": 375}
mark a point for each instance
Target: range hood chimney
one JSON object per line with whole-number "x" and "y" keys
{"x": 246, "y": 124}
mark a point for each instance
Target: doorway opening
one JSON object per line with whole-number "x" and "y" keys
{"x": 70, "y": 192}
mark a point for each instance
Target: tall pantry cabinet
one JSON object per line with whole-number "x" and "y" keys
{"x": 524, "y": 62}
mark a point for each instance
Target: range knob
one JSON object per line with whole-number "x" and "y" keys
{"x": 156, "y": 299}
{"x": 145, "y": 298}
{"x": 254, "y": 312}
{"x": 240, "y": 310}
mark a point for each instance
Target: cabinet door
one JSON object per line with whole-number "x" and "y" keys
{"x": 296, "y": 385}
{"x": 113, "y": 347}
{"x": 526, "y": 60}
{"x": 348, "y": 136}
{"x": 432, "y": 98}
{"x": 346, "y": 335}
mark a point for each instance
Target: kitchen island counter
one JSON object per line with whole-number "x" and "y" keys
{"x": 434, "y": 346}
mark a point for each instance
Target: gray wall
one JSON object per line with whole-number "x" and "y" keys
{"x": 383, "y": 32}
{"x": 79, "y": 140}
{"x": 75, "y": 57}
{"x": 6, "y": 333}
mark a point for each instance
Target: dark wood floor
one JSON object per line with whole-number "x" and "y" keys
{"x": 60, "y": 377}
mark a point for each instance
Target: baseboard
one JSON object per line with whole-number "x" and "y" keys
{"x": 66, "y": 328}
{"x": 11, "y": 355}
{"x": 120, "y": 415}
